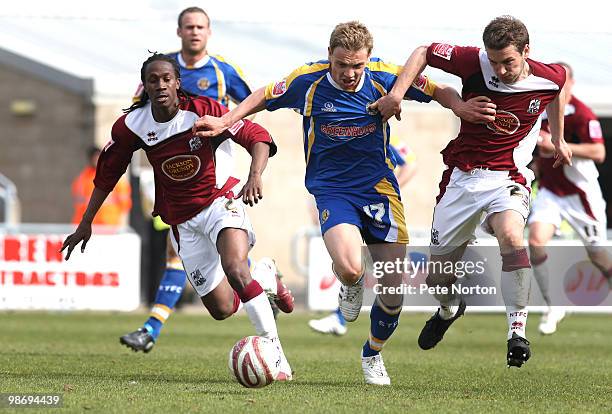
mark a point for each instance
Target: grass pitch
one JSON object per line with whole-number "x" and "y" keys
{"x": 79, "y": 356}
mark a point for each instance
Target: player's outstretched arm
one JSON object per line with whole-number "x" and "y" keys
{"x": 210, "y": 126}
{"x": 477, "y": 110}
{"x": 555, "y": 111}
{"x": 252, "y": 191}
{"x": 390, "y": 104}
{"x": 83, "y": 230}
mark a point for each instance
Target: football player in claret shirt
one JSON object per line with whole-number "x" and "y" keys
{"x": 204, "y": 75}
{"x": 348, "y": 168}
{"x": 571, "y": 193}
{"x": 210, "y": 228}
{"x": 487, "y": 164}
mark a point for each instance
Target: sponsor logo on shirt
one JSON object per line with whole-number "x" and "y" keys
{"x": 505, "y": 123}
{"x": 350, "y": 132}
{"x": 151, "y": 136}
{"x": 494, "y": 81}
{"x": 328, "y": 107}
{"x": 279, "y": 88}
{"x": 443, "y": 50}
{"x": 534, "y": 106}
{"x": 181, "y": 167}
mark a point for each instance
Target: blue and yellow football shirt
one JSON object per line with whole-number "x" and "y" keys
{"x": 346, "y": 145}
{"x": 213, "y": 77}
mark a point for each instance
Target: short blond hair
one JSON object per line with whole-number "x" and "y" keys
{"x": 352, "y": 36}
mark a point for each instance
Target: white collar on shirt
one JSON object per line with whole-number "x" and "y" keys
{"x": 197, "y": 65}
{"x": 335, "y": 85}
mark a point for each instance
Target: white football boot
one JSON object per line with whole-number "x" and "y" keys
{"x": 285, "y": 373}
{"x": 328, "y": 325}
{"x": 374, "y": 370}
{"x": 550, "y": 319}
{"x": 350, "y": 299}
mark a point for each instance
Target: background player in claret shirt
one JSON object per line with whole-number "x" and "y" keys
{"x": 210, "y": 230}
{"x": 487, "y": 164}
{"x": 348, "y": 168}
{"x": 571, "y": 193}
{"x": 404, "y": 159}
{"x": 204, "y": 75}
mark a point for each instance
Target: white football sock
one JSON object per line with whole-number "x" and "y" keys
{"x": 449, "y": 303}
{"x": 540, "y": 272}
{"x": 261, "y": 316}
{"x": 515, "y": 287}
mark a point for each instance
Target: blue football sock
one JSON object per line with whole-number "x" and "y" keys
{"x": 382, "y": 326}
{"x": 168, "y": 294}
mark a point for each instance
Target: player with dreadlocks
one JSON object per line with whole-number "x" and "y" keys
{"x": 143, "y": 98}
{"x": 212, "y": 76}
{"x": 210, "y": 229}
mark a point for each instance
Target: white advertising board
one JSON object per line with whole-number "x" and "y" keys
{"x": 33, "y": 274}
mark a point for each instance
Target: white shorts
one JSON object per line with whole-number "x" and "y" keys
{"x": 195, "y": 241}
{"x": 468, "y": 200}
{"x": 550, "y": 208}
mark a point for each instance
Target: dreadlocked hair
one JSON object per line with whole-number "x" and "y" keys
{"x": 143, "y": 98}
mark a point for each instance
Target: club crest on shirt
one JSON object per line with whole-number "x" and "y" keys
{"x": 324, "y": 216}
{"x": 197, "y": 277}
{"x": 505, "y": 123}
{"x": 369, "y": 109}
{"x": 195, "y": 144}
{"x": 203, "y": 84}
{"x": 534, "y": 106}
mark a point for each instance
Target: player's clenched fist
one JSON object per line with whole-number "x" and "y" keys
{"x": 388, "y": 106}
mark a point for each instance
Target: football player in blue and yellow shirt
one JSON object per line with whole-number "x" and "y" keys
{"x": 404, "y": 159}
{"x": 349, "y": 169}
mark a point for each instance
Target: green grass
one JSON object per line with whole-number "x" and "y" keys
{"x": 78, "y": 355}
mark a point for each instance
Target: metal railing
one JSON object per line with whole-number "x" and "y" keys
{"x": 8, "y": 194}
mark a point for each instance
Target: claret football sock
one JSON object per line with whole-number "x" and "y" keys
{"x": 168, "y": 294}
{"x": 383, "y": 322}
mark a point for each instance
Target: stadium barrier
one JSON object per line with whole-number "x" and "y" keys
{"x": 34, "y": 276}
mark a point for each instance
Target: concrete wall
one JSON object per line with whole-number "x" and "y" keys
{"x": 44, "y": 151}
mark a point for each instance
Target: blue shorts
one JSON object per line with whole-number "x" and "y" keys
{"x": 378, "y": 212}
